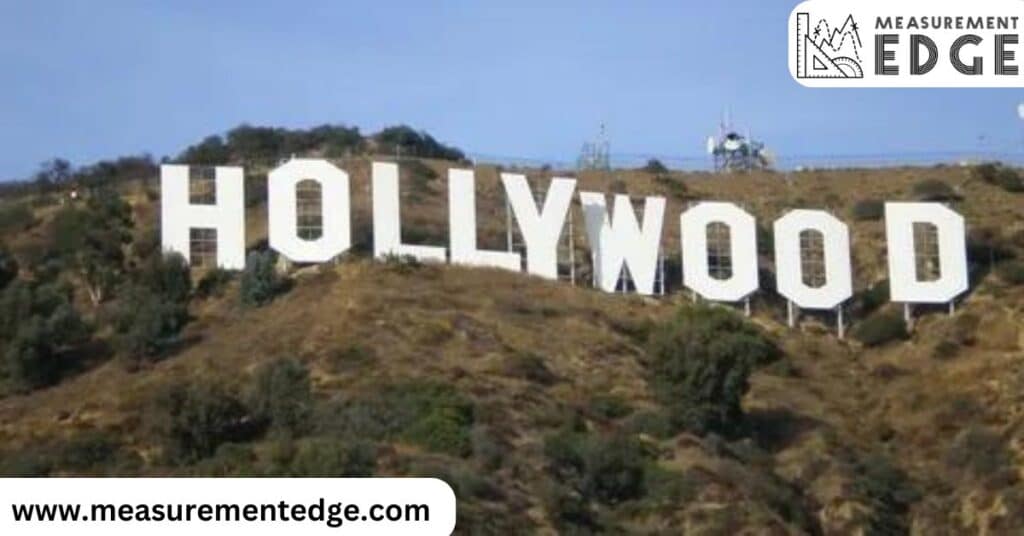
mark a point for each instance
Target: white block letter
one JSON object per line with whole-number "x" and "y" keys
{"x": 462, "y": 226}
{"x": 541, "y": 230}
{"x": 618, "y": 240}
{"x": 835, "y": 235}
{"x": 227, "y": 215}
{"x": 334, "y": 206}
{"x": 742, "y": 251}
{"x": 387, "y": 226}
{"x": 952, "y": 244}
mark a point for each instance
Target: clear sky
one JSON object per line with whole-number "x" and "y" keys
{"x": 88, "y": 80}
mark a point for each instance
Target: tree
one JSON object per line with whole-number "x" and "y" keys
{"x": 700, "y": 364}
{"x": 146, "y": 324}
{"x": 194, "y": 419}
{"x": 260, "y": 282}
{"x": 167, "y": 275}
{"x": 654, "y": 166}
{"x": 90, "y": 240}
{"x": 38, "y": 323}
{"x": 53, "y": 173}
{"x": 282, "y": 397}
{"x": 209, "y": 152}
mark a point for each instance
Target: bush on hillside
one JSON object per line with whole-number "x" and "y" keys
{"x": 90, "y": 241}
{"x": 530, "y": 367}
{"x": 432, "y": 415}
{"x": 699, "y": 365}
{"x": 16, "y": 217}
{"x": 872, "y": 298}
{"x": 609, "y": 469}
{"x": 38, "y": 324}
{"x": 166, "y": 275}
{"x": 881, "y": 328}
{"x": 146, "y": 324}
{"x": 329, "y": 458}
{"x": 655, "y": 167}
{"x": 889, "y": 494}
{"x": 281, "y": 396}
{"x": 405, "y": 141}
{"x": 212, "y": 283}
{"x": 996, "y": 174}
{"x": 260, "y": 282}
{"x": 935, "y": 190}
{"x": 978, "y": 451}
{"x": 192, "y": 420}
{"x": 868, "y": 210}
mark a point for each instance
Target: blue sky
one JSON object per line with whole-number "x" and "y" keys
{"x": 93, "y": 79}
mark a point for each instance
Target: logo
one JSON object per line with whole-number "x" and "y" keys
{"x": 907, "y": 43}
{"x": 825, "y": 52}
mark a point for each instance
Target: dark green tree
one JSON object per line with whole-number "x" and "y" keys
{"x": 90, "y": 241}
{"x": 260, "y": 282}
{"x": 700, "y": 364}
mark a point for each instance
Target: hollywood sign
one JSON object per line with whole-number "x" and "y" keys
{"x": 616, "y": 237}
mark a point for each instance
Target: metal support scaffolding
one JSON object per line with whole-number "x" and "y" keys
{"x": 840, "y": 322}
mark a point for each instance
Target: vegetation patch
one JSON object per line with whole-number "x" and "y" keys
{"x": 700, "y": 363}
{"x": 881, "y": 328}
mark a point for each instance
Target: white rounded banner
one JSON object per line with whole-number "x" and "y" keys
{"x": 226, "y": 506}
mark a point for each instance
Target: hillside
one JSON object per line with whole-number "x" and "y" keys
{"x": 539, "y": 401}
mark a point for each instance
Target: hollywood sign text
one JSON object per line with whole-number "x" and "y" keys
{"x": 616, "y": 237}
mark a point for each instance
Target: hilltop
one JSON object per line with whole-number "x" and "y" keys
{"x": 548, "y": 407}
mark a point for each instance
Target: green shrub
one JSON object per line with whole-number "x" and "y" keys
{"x": 281, "y": 396}
{"x": 212, "y": 283}
{"x": 868, "y": 210}
{"x": 324, "y": 457}
{"x": 869, "y": 300}
{"x": 404, "y": 140}
{"x": 260, "y": 282}
{"x": 881, "y": 328}
{"x": 699, "y": 364}
{"x": 432, "y": 415}
{"x": 1004, "y": 177}
{"x": 212, "y": 151}
{"x": 90, "y": 240}
{"x": 1011, "y": 272}
{"x": 146, "y": 324}
{"x": 38, "y": 324}
{"x": 569, "y": 511}
{"x": 530, "y": 367}
{"x": 168, "y": 276}
{"x": 607, "y": 469}
{"x": 15, "y": 217}
{"x": 655, "y": 423}
{"x": 935, "y": 190}
{"x": 945, "y": 350}
{"x": 888, "y": 493}
{"x": 87, "y": 451}
{"x": 654, "y": 166}
{"x": 26, "y": 462}
{"x": 30, "y": 361}
{"x": 193, "y": 420}
{"x": 609, "y": 406}
{"x": 979, "y": 451}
